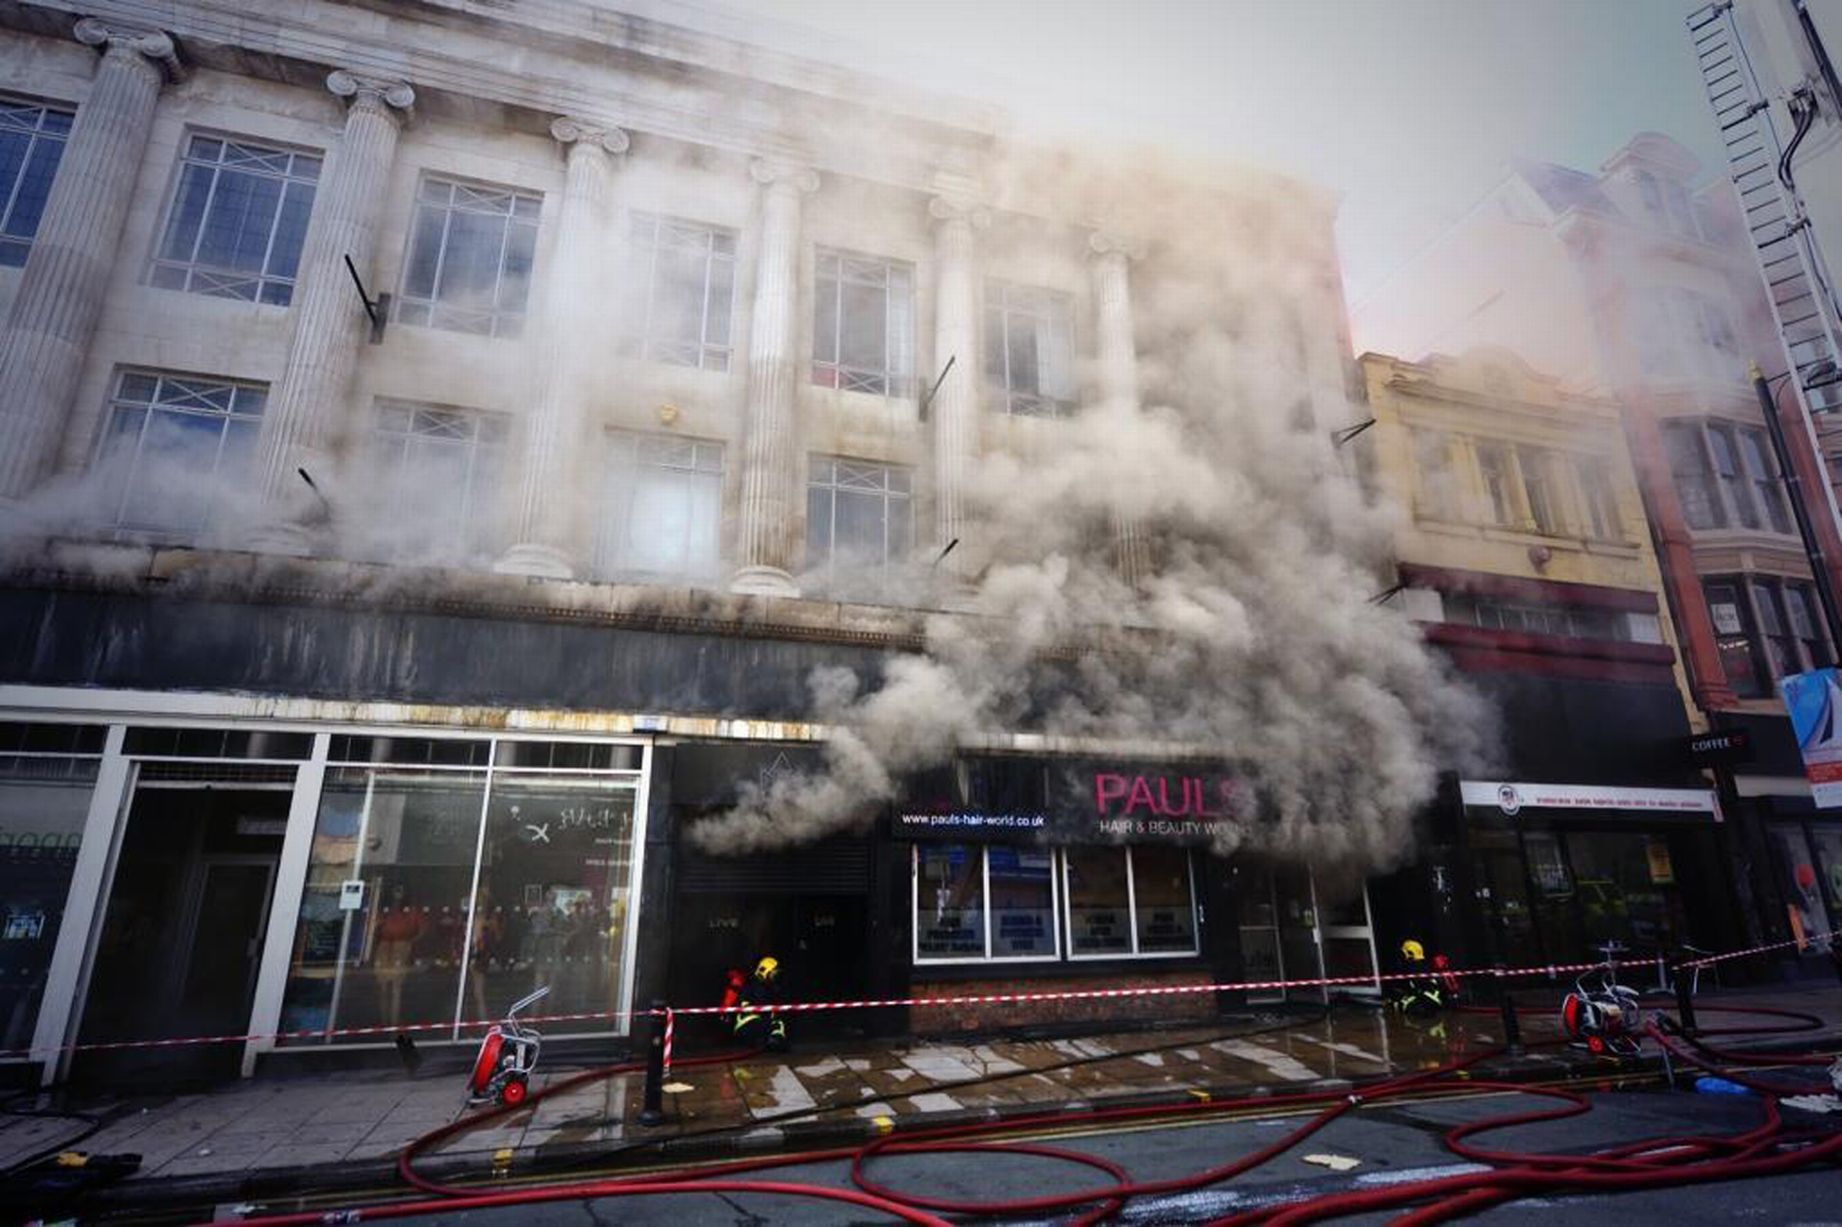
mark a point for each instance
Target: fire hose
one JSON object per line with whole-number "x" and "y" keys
{"x": 1769, "y": 1148}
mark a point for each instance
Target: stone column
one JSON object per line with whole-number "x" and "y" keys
{"x": 764, "y": 541}
{"x": 53, "y": 316}
{"x": 575, "y": 291}
{"x": 308, "y": 401}
{"x": 955, "y": 408}
{"x": 1116, "y": 370}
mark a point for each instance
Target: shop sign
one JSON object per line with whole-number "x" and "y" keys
{"x": 1513, "y": 798}
{"x": 1088, "y": 803}
{"x": 1811, "y": 699}
{"x": 971, "y": 824}
{"x": 1721, "y": 746}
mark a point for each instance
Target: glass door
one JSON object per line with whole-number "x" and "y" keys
{"x": 1300, "y": 943}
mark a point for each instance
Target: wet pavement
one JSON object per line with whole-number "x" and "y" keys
{"x": 361, "y": 1119}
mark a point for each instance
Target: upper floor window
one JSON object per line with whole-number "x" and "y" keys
{"x": 681, "y": 288}
{"x": 858, "y": 514}
{"x": 1765, "y": 629}
{"x": 238, "y": 217}
{"x": 175, "y": 446}
{"x": 1029, "y": 349}
{"x": 1725, "y": 475}
{"x": 664, "y": 506}
{"x": 31, "y": 143}
{"x": 1540, "y": 488}
{"x": 470, "y": 253}
{"x": 1574, "y": 622}
{"x": 438, "y": 471}
{"x": 1436, "y": 481}
{"x": 1494, "y": 465}
{"x": 862, "y": 324}
{"x": 1600, "y": 496}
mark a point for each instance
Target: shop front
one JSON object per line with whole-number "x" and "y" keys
{"x": 1561, "y": 872}
{"x": 1098, "y": 875}
{"x": 169, "y": 876}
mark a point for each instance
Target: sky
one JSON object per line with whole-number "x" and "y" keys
{"x": 1410, "y": 109}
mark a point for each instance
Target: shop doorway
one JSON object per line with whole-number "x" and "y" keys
{"x": 183, "y": 929}
{"x": 1287, "y": 935}
{"x": 808, "y": 907}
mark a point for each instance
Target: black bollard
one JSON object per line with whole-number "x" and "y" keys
{"x": 1512, "y": 1026}
{"x": 652, "y": 1112}
{"x": 1685, "y": 999}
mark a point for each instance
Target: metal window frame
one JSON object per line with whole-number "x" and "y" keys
{"x": 832, "y": 485}
{"x": 1132, "y": 915}
{"x": 401, "y": 465}
{"x": 499, "y": 319}
{"x": 191, "y": 267}
{"x": 1008, "y": 311}
{"x": 894, "y": 382}
{"x": 626, "y": 452}
{"x": 917, "y": 959}
{"x": 152, "y": 406}
{"x": 38, "y": 134}
{"x": 706, "y": 349}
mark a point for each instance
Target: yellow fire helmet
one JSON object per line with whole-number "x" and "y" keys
{"x": 1413, "y": 951}
{"x": 767, "y": 968}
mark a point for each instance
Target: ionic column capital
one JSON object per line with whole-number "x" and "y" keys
{"x": 589, "y": 133}
{"x": 154, "y": 44}
{"x": 1113, "y": 243}
{"x": 954, "y": 208}
{"x": 388, "y": 95}
{"x": 771, "y": 172}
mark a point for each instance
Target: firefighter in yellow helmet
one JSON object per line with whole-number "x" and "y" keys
{"x": 1422, "y": 991}
{"x": 757, "y": 1023}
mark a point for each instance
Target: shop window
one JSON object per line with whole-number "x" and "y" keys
{"x": 664, "y": 506}
{"x": 681, "y": 283}
{"x": 468, "y": 268}
{"x": 1107, "y": 915}
{"x": 44, "y": 800}
{"x": 863, "y": 324}
{"x": 1802, "y": 882}
{"x": 32, "y": 140}
{"x": 174, "y": 450}
{"x": 434, "y": 897}
{"x": 238, "y": 218}
{"x": 1574, "y": 623}
{"x": 1029, "y": 350}
{"x": 995, "y": 902}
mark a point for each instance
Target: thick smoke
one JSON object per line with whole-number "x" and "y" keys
{"x": 1255, "y": 641}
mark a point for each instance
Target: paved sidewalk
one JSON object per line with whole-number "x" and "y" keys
{"x": 265, "y": 1132}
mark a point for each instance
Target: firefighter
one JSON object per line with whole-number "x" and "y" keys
{"x": 1423, "y": 992}
{"x": 759, "y": 1024}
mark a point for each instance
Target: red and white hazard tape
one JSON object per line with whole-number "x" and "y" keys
{"x": 668, "y": 1013}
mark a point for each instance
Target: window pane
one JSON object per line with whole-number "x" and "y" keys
{"x": 1022, "y": 906}
{"x": 43, "y": 804}
{"x": 188, "y": 213}
{"x": 1098, "y": 909}
{"x": 949, "y": 902}
{"x": 1694, "y": 483}
{"x": 1494, "y": 463}
{"x": 1733, "y": 637}
{"x": 552, "y": 903}
{"x": 1165, "y": 912}
{"x": 864, "y": 346}
{"x": 424, "y": 253}
{"x": 818, "y": 526}
{"x": 410, "y": 838}
{"x": 859, "y": 530}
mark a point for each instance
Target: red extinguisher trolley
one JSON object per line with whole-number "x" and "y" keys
{"x": 508, "y": 1053}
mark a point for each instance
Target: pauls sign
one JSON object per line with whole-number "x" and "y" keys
{"x": 1083, "y": 803}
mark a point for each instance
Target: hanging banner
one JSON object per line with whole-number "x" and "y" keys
{"x": 1812, "y": 700}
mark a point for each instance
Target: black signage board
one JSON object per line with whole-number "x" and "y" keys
{"x": 711, "y": 774}
{"x": 1720, "y": 746}
{"x": 1072, "y": 802}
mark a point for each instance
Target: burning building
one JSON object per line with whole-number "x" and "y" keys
{"x": 504, "y": 495}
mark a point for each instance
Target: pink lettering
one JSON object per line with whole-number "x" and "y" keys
{"x": 1164, "y": 806}
{"x": 1140, "y": 789}
{"x": 1108, "y": 788}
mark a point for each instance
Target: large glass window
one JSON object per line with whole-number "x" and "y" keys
{"x": 1029, "y": 349}
{"x": 862, "y": 324}
{"x": 664, "y": 506}
{"x": 238, "y": 217}
{"x": 1767, "y": 489}
{"x": 1538, "y": 486}
{"x": 1136, "y": 900}
{"x": 175, "y": 447}
{"x": 469, "y": 262}
{"x": 681, "y": 283}
{"x": 1099, "y": 901}
{"x": 1493, "y": 461}
{"x": 47, "y": 773}
{"x": 437, "y": 472}
{"x": 1600, "y": 494}
{"x": 1163, "y": 900}
{"x": 949, "y": 902}
{"x": 439, "y": 896}
{"x": 1727, "y": 469}
{"x": 1780, "y": 645}
{"x": 858, "y": 514}
{"x": 31, "y": 144}
{"x": 1435, "y": 480}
